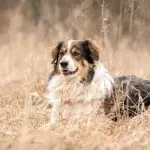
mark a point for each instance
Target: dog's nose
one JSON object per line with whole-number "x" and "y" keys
{"x": 64, "y": 64}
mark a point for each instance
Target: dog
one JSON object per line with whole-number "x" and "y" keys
{"x": 131, "y": 96}
{"x": 79, "y": 79}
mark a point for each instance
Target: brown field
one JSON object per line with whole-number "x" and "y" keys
{"x": 25, "y": 65}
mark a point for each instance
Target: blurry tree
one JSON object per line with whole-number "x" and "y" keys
{"x": 125, "y": 18}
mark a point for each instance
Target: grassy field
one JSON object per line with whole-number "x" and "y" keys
{"x": 23, "y": 108}
{"x": 24, "y": 68}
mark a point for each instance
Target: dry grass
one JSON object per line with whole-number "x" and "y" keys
{"x": 23, "y": 109}
{"x": 25, "y": 64}
{"x": 23, "y": 112}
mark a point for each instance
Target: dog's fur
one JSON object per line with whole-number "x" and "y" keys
{"x": 79, "y": 78}
{"x": 131, "y": 96}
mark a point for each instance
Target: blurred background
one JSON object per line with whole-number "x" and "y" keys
{"x": 29, "y": 27}
{"x": 109, "y": 19}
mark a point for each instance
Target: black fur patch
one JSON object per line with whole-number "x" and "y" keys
{"x": 90, "y": 75}
{"x": 56, "y": 53}
{"x": 140, "y": 84}
{"x": 87, "y": 52}
{"x": 133, "y": 93}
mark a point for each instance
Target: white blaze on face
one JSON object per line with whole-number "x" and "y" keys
{"x": 68, "y": 58}
{"x": 69, "y": 44}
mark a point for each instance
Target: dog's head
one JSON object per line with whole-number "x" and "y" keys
{"x": 75, "y": 57}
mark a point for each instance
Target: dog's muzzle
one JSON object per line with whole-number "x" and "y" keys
{"x": 68, "y": 72}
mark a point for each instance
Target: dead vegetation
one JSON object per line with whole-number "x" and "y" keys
{"x": 28, "y": 29}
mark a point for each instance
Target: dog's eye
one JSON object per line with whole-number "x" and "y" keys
{"x": 75, "y": 53}
{"x": 61, "y": 53}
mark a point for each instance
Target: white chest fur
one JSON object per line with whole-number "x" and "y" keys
{"x": 70, "y": 89}
{"x": 75, "y": 98}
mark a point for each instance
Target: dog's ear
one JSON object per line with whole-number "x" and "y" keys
{"x": 94, "y": 49}
{"x": 91, "y": 50}
{"x": 55, "y": 52}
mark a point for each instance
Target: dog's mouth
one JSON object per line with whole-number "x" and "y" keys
{"x": 68, "y": 72}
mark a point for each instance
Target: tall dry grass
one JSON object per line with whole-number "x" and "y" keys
{"x": 25, "y": 65}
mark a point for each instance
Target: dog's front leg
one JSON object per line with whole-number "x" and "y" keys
{"x": 55, "y": 111}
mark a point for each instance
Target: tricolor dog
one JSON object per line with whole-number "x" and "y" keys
{"x": 79, "y": 77}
